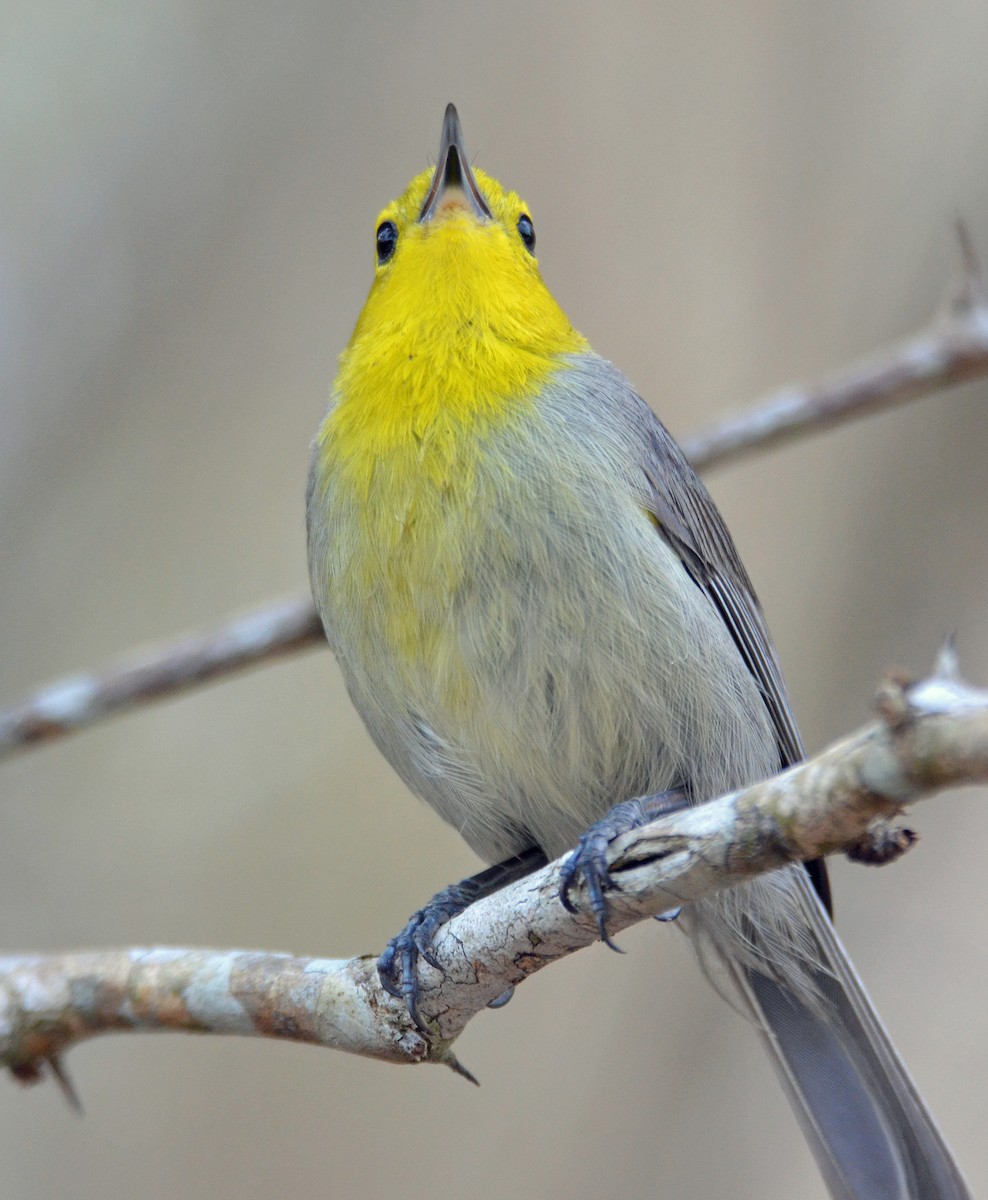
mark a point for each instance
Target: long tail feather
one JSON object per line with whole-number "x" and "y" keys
{"x": 867, "y": 1125}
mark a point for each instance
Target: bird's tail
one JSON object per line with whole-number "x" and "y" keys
{"x": 867, "y": 1125}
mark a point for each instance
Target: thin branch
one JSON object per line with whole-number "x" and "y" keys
{"x": 929, "y": 736}
{"x": 954, "y": 349}
{"x": 80, "y": 700}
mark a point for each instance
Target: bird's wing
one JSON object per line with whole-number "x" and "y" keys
{"x": 689, "y": 521}
{"x": 865, "y": 1121}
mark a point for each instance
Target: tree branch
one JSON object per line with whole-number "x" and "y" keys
{"x": 80, "y": 700}
{"x": 954, "y": 349}
{"x": 929, "y": 736}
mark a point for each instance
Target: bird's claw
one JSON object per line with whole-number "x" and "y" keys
{"x": 588, "y": 865}
{"x": 397, "y": 967}
{"x": 588, "y": 862}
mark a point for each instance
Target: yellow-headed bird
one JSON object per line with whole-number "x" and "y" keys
{"x": 539, "y": 612}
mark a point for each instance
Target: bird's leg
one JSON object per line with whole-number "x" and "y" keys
{"x": 588, "y": 862}
{"x": 397, "y": 965}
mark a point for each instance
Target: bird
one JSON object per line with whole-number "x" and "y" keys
{"x": 544, "y": 623}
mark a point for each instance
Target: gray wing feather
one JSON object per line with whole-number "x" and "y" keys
{"x": 690, "y": 522}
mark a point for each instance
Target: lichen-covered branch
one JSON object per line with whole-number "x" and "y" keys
{"x": 929, "y": 736}
{"x": 50, "y": 1002}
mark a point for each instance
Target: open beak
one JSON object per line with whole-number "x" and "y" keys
{"x": 453, "y": 173}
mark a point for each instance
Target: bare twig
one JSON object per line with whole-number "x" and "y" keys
{"x": 80, "y": 700}
{"x": 954, "y": 349}
{"x": 929, "y": 736}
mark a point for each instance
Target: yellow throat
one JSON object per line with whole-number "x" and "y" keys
{"x": 458, "y": 333}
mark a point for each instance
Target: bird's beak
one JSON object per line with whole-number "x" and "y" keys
{"x": 453, "y": 180}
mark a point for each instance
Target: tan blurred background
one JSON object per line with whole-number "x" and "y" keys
{"x": 727, "y": 198}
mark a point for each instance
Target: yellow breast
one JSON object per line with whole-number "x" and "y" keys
{"x": 457, "y": 339}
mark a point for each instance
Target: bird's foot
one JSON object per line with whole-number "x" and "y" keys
{"x": 398, "y": 965}
{"x": 588, "y": 862}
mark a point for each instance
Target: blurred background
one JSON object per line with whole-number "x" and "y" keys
{"x": 728, "y": 198}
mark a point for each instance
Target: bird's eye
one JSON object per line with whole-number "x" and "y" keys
{"x": 526, "y": 231}
{"x": 387, "y": 240}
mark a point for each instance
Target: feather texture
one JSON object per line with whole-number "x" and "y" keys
{"x": 550, "y": 616}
